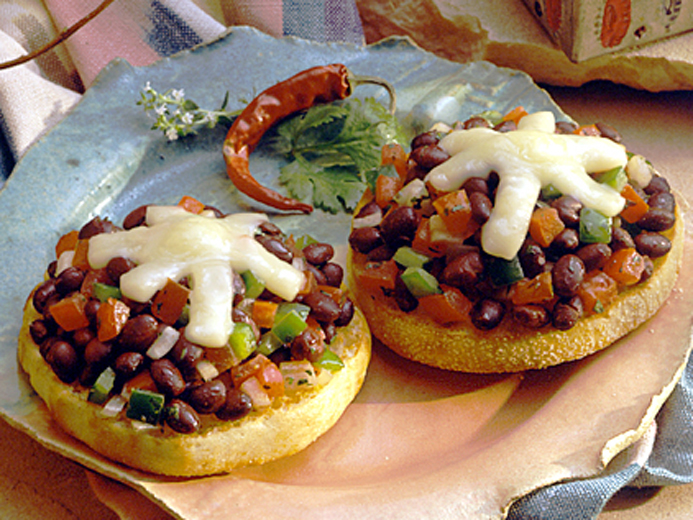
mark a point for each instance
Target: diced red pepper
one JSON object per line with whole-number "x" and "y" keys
{"x": 515, "y": 114}
{"x": 422, "y": 241}
{"x": 92, "y": 277}
{"x": 532, "y": 290}
{"x": 386, "y": 188}
{"x": 455, "y": 211}
{"x": 596, "y": 291}
{"x": 394, "y": 154}
{"x": 169, "y": 302}
{"x": 545, "y": 225}
{"x": 111, "y": 318}
{"x": 264, "y": 312}
{"x": 69, "y": 312}
{"x": 81, "y": 259}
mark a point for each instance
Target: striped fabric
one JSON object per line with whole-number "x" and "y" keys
{"x": 35, "y": 96}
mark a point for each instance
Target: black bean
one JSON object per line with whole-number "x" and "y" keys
{"x": 91, "y": 308}
{"x": 475, "y": 184}
{"x": 346, "y": 313}
{"x": 481, "y": 206}
{"x": 658, "y": 184}
{"x": 334, "y": 274}
{"x": 276, "y": 247}
{"x": 566, "y": 241}
{"x": 531, "y": 316}
{"x": 137, "y": 217}
{"x": 319, "y": 276}
{"x": 431, "y": 137}
{"x": 181, "y": 417}
{"x": 52, "y": 268}
{"x": 209, "y": 397}
{"x": 566, "y": 127}
{"x": 43, "y": 293}
{"x": 318, "y": 253}
{"x": 64, "y": 361}
{"x": 96, "y": 226}
{"x": 118, "y": 266}
{"x": 567, "y": 313}
{"x": 404, "y": 299}
{"x": 168, "y": 379}
{"x": 369, "y": 209}
{"x": 487, "y": 314}
{"x": 429, "y": 156}
{"x": 365, "y": 239}
{"x": 609, "y": 132}
{"x": 330, "y": 330}
{"x": 620, "y": 239}
{"x": 568, "y": 208}
{"x": 308, "y": 345}
{"x": 322, "y": 306}
{"x": 69, "y": 280}
{"x": 139, "y": 333}
{"x": 399, "y": 226}
{"x": 464, "y": 272}
{"x": 476, "y": 122}
{"x": 532, "y": 259}
{"x": 506, "y": 126}
{"x": 270, "y": 228}
{"x": 657, "y": 219}
{"x": 97, "y": 353}
{"x": 381, "y": 254}
{"x": 186, "y": 355}
{"x": 82, "y": 337}
{"x": 39, "y": 331}
{"x": 648, "y": 271}
{"x": 237, "y": 406}
{"x": 663, "y": 200}
{"x": 128, "y": 364}
{"x": 652, "y": 244}
{"x": 567, "y": 275}
{"x": 594, "y": 255}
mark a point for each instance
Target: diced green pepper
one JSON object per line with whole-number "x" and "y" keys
{"x": 550, "y": 192}
{"x": 420, "y": 282}
{"x": 594, "y": 227}
{"x": 103, "y": 291}
{"x": 288, "y": 326}
{"x": 145, "y": 406}
{"x": 285, "y": 307}
{"x": 242, "y": 340}
{"x": 253, "y": 285}
{"x": 304, "y": 241}
{"x": 102, "y": 387}
{"x": 268, "y": 343}
{"x": 494, "y": 117}
{"x": 407, "y": 257}
{"x": 184, "y": 317}
{"x": 504, "y": 272}
{"x": 330, "y": 361}
{"x": 615, "y": 177}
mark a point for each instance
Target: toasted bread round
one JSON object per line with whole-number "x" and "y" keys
{"x": 511, "y": 347}
{"x": 290, "y": 425}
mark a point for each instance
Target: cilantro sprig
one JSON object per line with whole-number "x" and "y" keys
{"x": 332, "y": 148}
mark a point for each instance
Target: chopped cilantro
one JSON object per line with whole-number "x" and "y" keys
{"x": 331, "y": 148}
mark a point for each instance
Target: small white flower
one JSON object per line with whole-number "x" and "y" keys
{"x": 160, "y": 110}
{"x": 178, "y": 94}
{"x": 187, "y": 118}
{"x": 148, "y": 87}
{"x": 171, "y": 134}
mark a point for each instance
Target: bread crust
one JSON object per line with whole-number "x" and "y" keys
{"x": 511, "y": 347}
{"x": 289, "y": 426}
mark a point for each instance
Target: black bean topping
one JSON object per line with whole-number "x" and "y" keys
{"x": 566, "y": 127}
{"x": 658, "y": 184}
{"x": 96, "y": 226}
{"x": 129, "y": 364}
{"x": 429, "y": 156}
{"x": 276, "y": 247}
{"x": 334, "y": 274}
{"x": 609, "y": 132}
{"x": 399, "y": 226}
{"x": 270, "y": 228}
{"x": 431, "y": 137}
{"x": 663, "y": 200}
{"x": 366, "y": 239}
{"x": 657, "y": 219}
{"x": 620, "y": 239}
{"x": 43, "y": 293}
{"x": 186, "y": 355}
{"x": 567, "y": 313}
{"x": 69, "y": 280}
{"x": 487, "y": 314}
{"x": 322, "y": 306}
{"x": 481, "y": 206}
{"x": 476, "y": 122}
{"x": 476, "y": 184}
{"x": 118, "y": 266}
{"x": 531, "y": 316}
{"x": 64, "y": 361}
{"x": 346, "y": 313}
{"x": 318, "y": 253}
{"x": 181, "y": 417}
{"x": 594, "y": 255}
{"x": 137, "y": 217}
{"x": 39, "y": 331}
{"x": 308, "y": 345}
{"x": 237, "y": 406}
{"x": 209, "y": 397}
{"x": 139, "y": 333}
{"x": 567, "y": 275}
{"x": 168, "y": 378}
{"x": 568, "y": 208}
{"x": 652, "y": 244}
{"x": 464, "y": 272}
{"x": 532, "y": 259}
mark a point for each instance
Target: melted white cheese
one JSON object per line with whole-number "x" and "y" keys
{"x": 176, "y": 243}
{"x": 527, "y": 159}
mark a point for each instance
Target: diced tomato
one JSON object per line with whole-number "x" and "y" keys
{"x": 532, "y": 290}
{"x": 394, "y": 154}
{"x": 635, "y": 206}
{"x": 169, "y": 302}
{"x": 111, "y": 318}
{"x": 455, "y": 211}
{"x": 191, "y": 204}
{"x": 450, "y": 306}
{"x": 545, "y": 225}
{"x": 67, "y": 242}
{"x": 81, "y": 258}
{"x": 92, "y": 277}
{"x": 596, "y": 291}
{"x": 264, "y": 312}
{"x": 515, "y": 114}
{"x": 69, "y": 312}
{"x": 625, "y": 266}
{"x": 422, "y": 240}
{"x": 271, "y": 379}
{"x": 375, "y": 275}
{"x": 386, "y": 188}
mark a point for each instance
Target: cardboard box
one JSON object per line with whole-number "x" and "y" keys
{"x": 588, "y": 28}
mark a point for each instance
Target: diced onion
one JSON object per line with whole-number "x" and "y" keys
{"x": 370, "y": 220}
{"x": 298, "y": 263}
{"x": 164, "y": 343}
{"x": 141, "y": 425}
{"x": 114, "y": 406}
{"x": 207, "y": 370}
{"x": 298, "y": 375}
{"x": 413, "y": 191}
{"x": 253, "y": 389}
{"x": 324, "y": 376}
{"x": 64, "y": 261}
{"x": 639, "y": 171}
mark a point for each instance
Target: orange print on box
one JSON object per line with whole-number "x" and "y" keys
{"x": 615, "y": 22}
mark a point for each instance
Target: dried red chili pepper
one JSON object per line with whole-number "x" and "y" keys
{"x": 322, "y": 84}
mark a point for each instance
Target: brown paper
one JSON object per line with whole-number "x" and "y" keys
{"x": 506, "y": 33}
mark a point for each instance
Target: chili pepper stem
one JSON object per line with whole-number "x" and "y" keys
{"x": 356, "y": 80}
